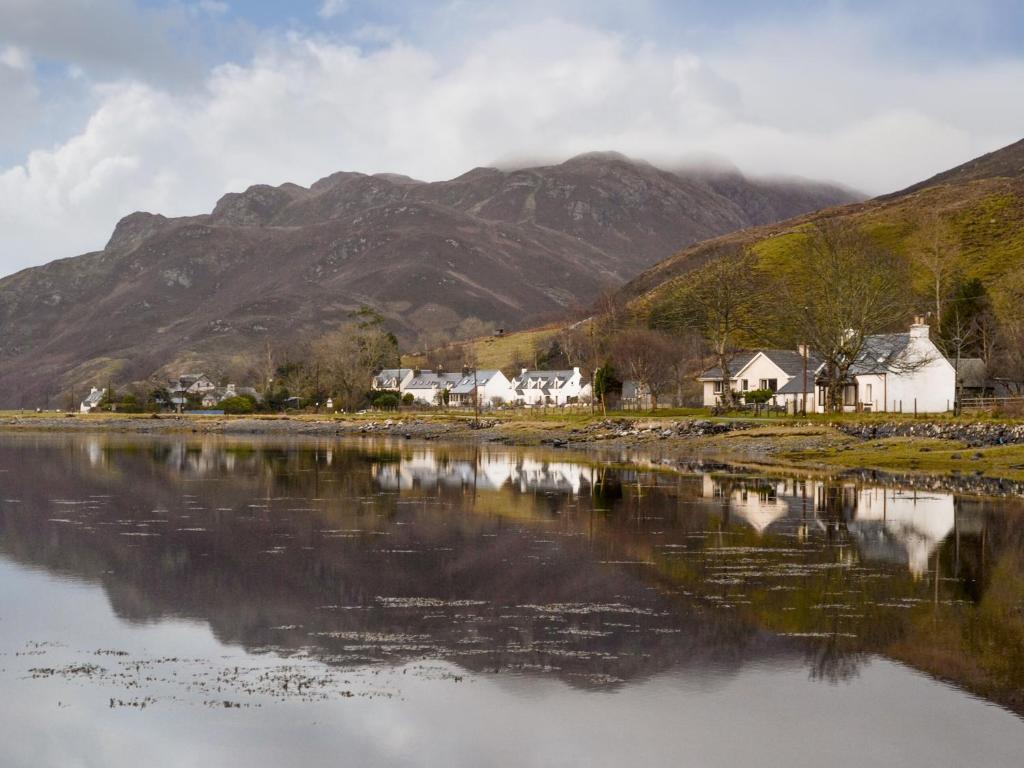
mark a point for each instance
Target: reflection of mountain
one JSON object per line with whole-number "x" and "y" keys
{"x": 498, "y": 558}
{"x": 197, "y": 531}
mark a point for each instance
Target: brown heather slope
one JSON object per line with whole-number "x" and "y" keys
{"x": 286, "y": 264}
{"x": 981, "y": 201}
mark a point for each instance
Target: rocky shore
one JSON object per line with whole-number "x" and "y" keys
{"x": 975, "y": 435}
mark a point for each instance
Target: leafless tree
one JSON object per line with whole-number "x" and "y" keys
{"x": 348, "y": 357}
{"x": 648, "y": 357}
{"x": 847, "y": 288}
{"x": 937, "y": 253}
{"x": 721, "y": 300}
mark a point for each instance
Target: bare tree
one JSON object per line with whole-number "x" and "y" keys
{"x": 721, "y": 301}
{"x": 937, "y": 253}
{"x": 648, "y": 357}
{"x": 347, "y": 358}
{"x": 847, "y": 289}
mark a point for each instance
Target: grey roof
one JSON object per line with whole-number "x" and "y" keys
{"x": 547, "y": 378}
{"x": 94, "y": 397}
{"x": 880, "y": 352}
{"x": 391, "y": 374}
{"x": 466, "y": 383}
{"x": 789, "y": 360}
{"x": 434, "y": 380}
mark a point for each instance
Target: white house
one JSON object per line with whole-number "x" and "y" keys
{"x": 550, "y": 387}
{"x": 189, "y": 385}
{"x": 491, "y": 387}
{"x": 426, "y": 386}
{"x": 894, "y": 372}
{"x": 778, "y": 370}
{"x": 92, "y": 401}
{"x": 393, "y": 379}
{"x": 901, "y": 372}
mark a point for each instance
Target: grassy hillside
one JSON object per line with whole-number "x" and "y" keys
{"x": 981, "y": 215}
{"x": 500, "y": 352}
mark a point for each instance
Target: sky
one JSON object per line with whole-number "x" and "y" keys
{"x": 113, "y": 106}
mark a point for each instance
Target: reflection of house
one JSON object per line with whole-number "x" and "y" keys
{"x": 492, "y": 388}
{"x": 550, "y": 387}
{"x": 392, "y": 379}
{"x": 760, "y": 503}
{"x": 92, "y": 400}
{"x": 488, "y": 472}
{"x": 904, "y": 526}
{"x": 778, "y": 370}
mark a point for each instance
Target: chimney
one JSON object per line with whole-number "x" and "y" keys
{"x": 801, "y": 349}
{"x": 522, "y": 372}
{"x": 919, "y": 330}
{"x": 439, "y": 370}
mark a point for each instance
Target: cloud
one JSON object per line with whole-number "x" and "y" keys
{"x": 331, "y": 8}
{"x": 307, "y": 105}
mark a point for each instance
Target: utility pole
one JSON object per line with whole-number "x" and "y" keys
{"x": 804, "y": 396}
{"x": 476, "y": 398}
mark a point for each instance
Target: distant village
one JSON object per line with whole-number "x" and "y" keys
{"x": 896, "y": 373}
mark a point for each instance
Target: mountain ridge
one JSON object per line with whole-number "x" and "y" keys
{"x": 282, "y": 265}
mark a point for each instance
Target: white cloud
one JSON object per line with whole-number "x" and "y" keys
{"x": 305, "y": 107}
{"x": 332, "y": 8}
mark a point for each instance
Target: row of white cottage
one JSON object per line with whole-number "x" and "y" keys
{"x": 492, "y": 387}
{"x": 896, "y": 372}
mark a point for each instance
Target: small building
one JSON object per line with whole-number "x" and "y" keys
{"x": 92, "y": 400}
{"x": 189, "y": 385}
{"x": 551, "y": 387}
{"x": 491, "y": 387}
{"x": 779, "y": 370}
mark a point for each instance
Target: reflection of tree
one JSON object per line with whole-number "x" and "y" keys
{"x": 290, "y": 530}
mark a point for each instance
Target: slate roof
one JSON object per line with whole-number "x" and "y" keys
{"x": 466, "y": 383}
{"x": 542, "y": 379}
{"x": 789, "y": 360}
{"x": 94, "y": 398}
{"x": 435, "y": 381}
{"x": 880, "y": 352}
{"x": 390, "y": 374}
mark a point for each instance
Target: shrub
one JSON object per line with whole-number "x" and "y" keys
{"x": 758, "y": 396}
{"x": 386, "y": 402}
{"x": 237, "y": 404}
{"x": 408, "y": 399}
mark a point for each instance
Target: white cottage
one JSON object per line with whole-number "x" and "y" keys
{"x": 491, "y": 387}
{"x": 550, "y": 387}
{"x": 899, "y": 372}
{"x": 778, "y": 370}
{"x": 426, "y": 387}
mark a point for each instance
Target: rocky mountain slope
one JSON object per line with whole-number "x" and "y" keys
{"x": 286, "y": 264}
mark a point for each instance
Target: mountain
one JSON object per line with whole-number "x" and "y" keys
{"x": 980, "y": 205}
{"x": 283, "y": 265}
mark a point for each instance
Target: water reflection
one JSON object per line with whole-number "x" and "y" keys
{"x": 495, "y": 560}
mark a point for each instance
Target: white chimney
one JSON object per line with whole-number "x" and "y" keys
{"x": 919, "y": 330}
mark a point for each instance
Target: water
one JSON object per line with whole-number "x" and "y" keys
{"x": 215, "y": 602}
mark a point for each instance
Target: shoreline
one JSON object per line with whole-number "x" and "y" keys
{"x": 912, "y": 448}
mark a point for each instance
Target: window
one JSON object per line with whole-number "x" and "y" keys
{"x": 772, "y": 384}
{"x": 718, "y": 387}
{"x": 745, "y": 385}
{"x": 867, "y": 393}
